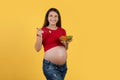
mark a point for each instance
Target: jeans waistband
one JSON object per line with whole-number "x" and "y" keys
{"x": 51, "y": 63}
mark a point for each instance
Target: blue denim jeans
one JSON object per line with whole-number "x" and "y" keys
{"x": 53, "y": 71}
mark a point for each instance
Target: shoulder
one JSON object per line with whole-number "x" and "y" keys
{"x": 62, "y": 29}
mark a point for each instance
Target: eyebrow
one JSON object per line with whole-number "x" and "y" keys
{"x": 52, "y": 14}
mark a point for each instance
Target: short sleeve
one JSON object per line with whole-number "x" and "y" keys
{"x": 63, "y": 32}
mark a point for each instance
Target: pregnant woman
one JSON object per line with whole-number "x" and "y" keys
{"x": 55, "y": 56}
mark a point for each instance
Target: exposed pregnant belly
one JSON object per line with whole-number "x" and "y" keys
{"x": 56, "y": 55}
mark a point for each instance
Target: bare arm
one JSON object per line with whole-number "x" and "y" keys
{"x": 38, "y": 43}
{"x": 66, "y": 43}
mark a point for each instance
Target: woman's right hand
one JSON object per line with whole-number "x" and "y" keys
{"x": 39, "y": 32}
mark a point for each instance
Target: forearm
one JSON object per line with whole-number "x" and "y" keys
{"x": 65, "y": 45}
{"x": 38, "y": 44}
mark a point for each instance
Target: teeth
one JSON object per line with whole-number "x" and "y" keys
{"x": 53, "y": 21}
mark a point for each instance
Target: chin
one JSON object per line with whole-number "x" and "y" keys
{"x": 53, "y": 23}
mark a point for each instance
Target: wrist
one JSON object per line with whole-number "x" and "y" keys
{"x": 38, "y": 35}
{"x": 39, "y": 38}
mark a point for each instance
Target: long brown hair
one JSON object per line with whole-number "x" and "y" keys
{"x": 46, "y": 23}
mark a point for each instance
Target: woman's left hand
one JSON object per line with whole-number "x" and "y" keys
{"x": 68, "y": 41}
{"x": 65, "y": 43}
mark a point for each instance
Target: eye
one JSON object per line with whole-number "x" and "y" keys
{"x": 56, "y": 15}
{"x": 50, "y": 15}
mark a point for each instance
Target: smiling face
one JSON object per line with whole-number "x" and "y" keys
{"x": 52, "y": 18}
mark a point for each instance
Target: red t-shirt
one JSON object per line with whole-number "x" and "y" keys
{"x": 51, "y": 37}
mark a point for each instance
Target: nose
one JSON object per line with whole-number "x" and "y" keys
{"x": 53, "y": 18}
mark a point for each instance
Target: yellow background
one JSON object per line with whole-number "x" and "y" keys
{"x": 94, "y": 53}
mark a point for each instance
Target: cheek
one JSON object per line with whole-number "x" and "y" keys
{"x": 48, "y": 19}
{"x": 57, "y": 19}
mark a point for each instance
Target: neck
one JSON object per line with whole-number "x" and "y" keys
{"x": 52, "y": 26}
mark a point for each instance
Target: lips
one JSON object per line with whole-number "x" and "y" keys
{"x": 53, "y": 21}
